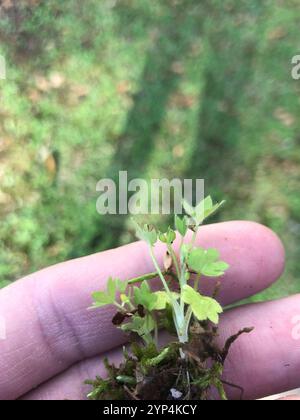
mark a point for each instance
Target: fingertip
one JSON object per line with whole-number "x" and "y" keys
{"x": 271, "y": 250}
{"x": 254, "y": 253}
{"x": 290, "y": 398}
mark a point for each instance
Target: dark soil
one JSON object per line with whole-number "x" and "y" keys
{"x": 143, "y": 376}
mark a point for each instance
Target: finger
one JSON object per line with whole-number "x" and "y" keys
{"x": 265, "y": 362}
{"x": 290, "y": 398}
{"x": 49, "y": 326}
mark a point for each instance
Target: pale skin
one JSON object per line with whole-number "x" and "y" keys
{"x": 54, "y": 343}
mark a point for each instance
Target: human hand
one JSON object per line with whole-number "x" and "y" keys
{"x": 53, "y": 343}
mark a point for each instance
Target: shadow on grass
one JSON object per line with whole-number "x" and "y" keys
{"x": 159, "y": 79}
{"x": 217, "y": 152}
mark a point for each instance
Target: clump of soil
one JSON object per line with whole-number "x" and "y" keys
{"x": 176, "y": 372}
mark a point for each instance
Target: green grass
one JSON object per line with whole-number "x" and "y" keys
{"x": 161, "y": 89}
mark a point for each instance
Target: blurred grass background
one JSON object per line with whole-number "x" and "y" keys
{"x": 164, "y": 88}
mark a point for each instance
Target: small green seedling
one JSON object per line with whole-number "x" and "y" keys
{"x": 191, "y": 364}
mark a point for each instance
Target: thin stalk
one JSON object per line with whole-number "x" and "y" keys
{"x": 196, "y": 283}
{"x": 183, "y": 266}
{"x": 192, "y": 243}
{"x": 178, "y": 314}
{"x": 156, "y": 334}
{"x": 120, "y": 307}
{"x": 189, "y": 313}
{"x": 174, "y": 258}
{"x": 139, "y": 279}
{"x": 149, "y": 276}
{"x": 187, "y": 320}
{"x": 159, "y": 272}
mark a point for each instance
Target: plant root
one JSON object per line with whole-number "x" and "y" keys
{"x": 150, "y": 374}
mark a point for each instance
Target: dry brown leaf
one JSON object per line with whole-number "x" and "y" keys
{"x": 34, "y": 95}
{"x": 56, "y": 80}
{"x": 277, "y": 33}
{"x": 42, "y": 83}
{"x": 177, "y": 67}
{"x": 182, "y": 100}
{"x": 124, "y": 87}
{"x": 178, "y": 151}
{"x": 284, "y": 117}
{"x": 167, "y": 261}
{"x": 7, "y": 4}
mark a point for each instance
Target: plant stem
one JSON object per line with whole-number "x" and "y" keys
{"x": 194, "y": 238}
{"x": 197, "y": 280}
{"x": 174, "y": 258}
{"x": 139, "y": 279}
{"x": 188, "y": 315}
{"x": 178, "y": 312}
{"x": 120, "y": 307}
{"x": 149, "y": 276}
{"x": 159, "y": 272}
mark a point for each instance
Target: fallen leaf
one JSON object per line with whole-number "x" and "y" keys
{"x": 182, "y": 100}
{"x": 284, "y": 117}
{"x": 56, "y": 80}
{"x": 177, "y": 67}
{"x": 34, "y": 95}
{"x": 78, "y": 92}
{"x": 277, "y": 33}
{"x": 178, "y": 151}
{"x": 7, "y": 4}
{"x": 167, "y": 261}
{"x": 123, "y": 87}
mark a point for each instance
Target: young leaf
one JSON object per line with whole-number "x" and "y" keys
{"x": 124, "y": 298}
{"x": 181, "y": 225}
{"x": 202, "y": 211}
{"x": 111, "y": 288}
{"x": 190, "y": 210}
{"x": 163, "y": 300}
{"x": 121, "y": 285}
{"x": 108, "y": 297}
{"x": 203, "y": 307}
{"x": 101, "y": 299}
{"x": 206, "y": 262}
{"x": 142, "y": 326}
{"x": 168, "y": 237}
{"x": 144, "y": 296}
{"x": 210, "y": 208}
{"x": 146, "y": 233}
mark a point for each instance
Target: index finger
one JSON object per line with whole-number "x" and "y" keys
{"x": 48, "y": 326}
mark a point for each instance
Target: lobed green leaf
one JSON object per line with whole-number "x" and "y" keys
{"x": 203, "y": 307}
{"x": 202, "y": 211}
{"x": 146, "y": 233}
{"x": 144, "y": 296}
{"x": 108, "y": 297}
{"x": 181, "y": 225}
{"x": 206, "y": 262}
